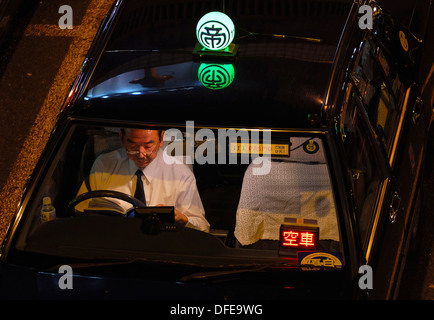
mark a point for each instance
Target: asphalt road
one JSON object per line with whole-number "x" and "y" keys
{"x": 38, "y": 64}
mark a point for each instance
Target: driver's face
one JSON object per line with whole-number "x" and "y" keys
{"x": 142, "y": 145}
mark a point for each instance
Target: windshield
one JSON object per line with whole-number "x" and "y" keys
{"x": 210, "y": 196}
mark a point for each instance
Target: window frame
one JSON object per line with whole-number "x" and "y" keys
{"x": 377, "y": 154}
{"x": 399, "y": 97}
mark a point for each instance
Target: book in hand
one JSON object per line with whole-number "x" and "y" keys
{"x": 105, "y": 206}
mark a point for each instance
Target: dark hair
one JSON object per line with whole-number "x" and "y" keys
{"x": 159, "y": 132}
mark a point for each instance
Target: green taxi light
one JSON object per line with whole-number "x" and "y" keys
{"x": 216, "y": 76}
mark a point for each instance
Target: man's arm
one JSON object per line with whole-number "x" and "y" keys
{"x": 189, "y": 205}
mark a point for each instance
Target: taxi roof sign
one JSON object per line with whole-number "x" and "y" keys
{"x": 215, "y": 32}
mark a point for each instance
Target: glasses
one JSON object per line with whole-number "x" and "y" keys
{"x": 137, "y": 153}
{"x": 133, "y": 150}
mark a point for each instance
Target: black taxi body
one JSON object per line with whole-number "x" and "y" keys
{"x": 306, "y": 139}
{"x": 374, "y": 103}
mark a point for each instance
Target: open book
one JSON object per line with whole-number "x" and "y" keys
{"x": 106, "y": 206}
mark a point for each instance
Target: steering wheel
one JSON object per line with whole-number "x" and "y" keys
{"x": 103, "y": 193}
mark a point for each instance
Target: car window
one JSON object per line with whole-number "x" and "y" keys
{"x": 381, "y": 90}
{"x": 361, "y": 160}
{"x": 250, "y": 183}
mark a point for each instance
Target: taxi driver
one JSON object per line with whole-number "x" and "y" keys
{"x": 168, "y": 183}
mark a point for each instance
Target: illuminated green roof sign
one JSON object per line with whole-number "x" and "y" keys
{"x": 216, "y": 76}
{"x": 215, "y": 31}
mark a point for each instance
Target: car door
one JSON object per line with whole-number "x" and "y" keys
{"x": 404, "y": 142}
{"x": 380, "y": 122}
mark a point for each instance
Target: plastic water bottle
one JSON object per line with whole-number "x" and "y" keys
{"x": 48, "y": 212}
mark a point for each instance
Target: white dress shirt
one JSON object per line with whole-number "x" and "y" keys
{"x": 169, "y": 183}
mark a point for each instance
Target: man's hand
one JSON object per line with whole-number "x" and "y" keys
{"x": 180, "y": 218}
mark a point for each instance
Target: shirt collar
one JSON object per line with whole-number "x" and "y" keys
{"x": 151, "y": 170}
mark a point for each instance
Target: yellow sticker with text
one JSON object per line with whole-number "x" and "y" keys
{"x": 259, "y": 148}
{"x": 319, "y": 260}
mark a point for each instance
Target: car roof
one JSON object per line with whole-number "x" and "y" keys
{"x": 148, "y": 73}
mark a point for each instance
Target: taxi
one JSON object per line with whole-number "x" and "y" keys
{"x": 302, "y": 135}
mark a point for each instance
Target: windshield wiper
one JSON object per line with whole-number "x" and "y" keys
{"x": 84, "y": 265}
{"x": 221, "y": 273}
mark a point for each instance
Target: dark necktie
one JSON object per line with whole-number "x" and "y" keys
{"x": 140, "y": 192}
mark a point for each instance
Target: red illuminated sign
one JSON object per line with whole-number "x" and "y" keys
{"x": 293, "y": 238}
{"x": 299, "y": 236}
